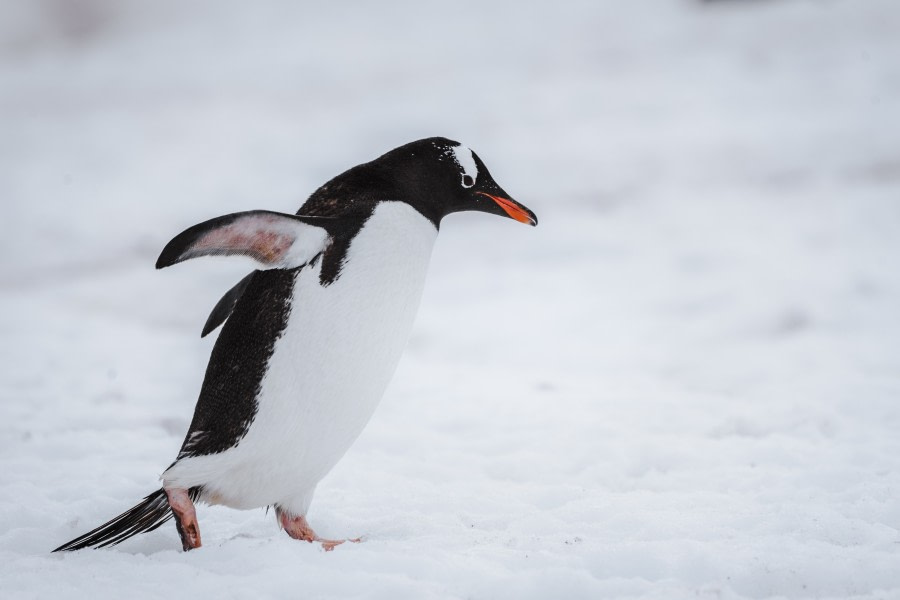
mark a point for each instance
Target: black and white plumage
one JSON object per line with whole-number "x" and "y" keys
{"x": 312, "y": 338}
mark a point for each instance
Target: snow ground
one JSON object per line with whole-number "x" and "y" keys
{"x": 684, "y": 383}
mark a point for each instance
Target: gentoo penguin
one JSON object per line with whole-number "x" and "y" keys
{"x": 311, "y": 338}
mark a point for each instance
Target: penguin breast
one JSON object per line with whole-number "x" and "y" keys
{"x": 328, "y": 369}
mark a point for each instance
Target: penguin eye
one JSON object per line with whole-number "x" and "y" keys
{"x": 467, "y": 181}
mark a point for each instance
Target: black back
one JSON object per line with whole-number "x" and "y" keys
{"x": 239, "y": 359}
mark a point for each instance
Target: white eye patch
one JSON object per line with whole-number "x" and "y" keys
{"x": 465, "y": 160}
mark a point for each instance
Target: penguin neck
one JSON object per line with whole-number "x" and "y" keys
{"x": 390, "y": 223}
{"x": 357, "y": 193}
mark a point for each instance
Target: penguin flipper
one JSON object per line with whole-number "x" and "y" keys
{"x": 274, "y": 240}
{"x": 222, "y": 309}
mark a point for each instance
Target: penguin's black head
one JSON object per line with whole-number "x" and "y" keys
{"x": 437, "y": 176}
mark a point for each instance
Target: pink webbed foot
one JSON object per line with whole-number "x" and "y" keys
{"x": 299, "y": 529}
{"x": 185, "y": 518}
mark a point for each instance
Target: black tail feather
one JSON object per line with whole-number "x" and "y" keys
{"x": 149, "y": 514}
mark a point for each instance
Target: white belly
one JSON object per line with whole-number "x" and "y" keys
{"x": 328, "y": 371}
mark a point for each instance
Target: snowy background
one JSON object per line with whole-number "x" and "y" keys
{"x": 684, "y": 383}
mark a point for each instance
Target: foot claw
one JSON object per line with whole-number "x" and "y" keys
{"x": 330, "y": 545}
{"x": 299, "y": 529}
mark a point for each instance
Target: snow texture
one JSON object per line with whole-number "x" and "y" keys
{"x": 685, "y": 383}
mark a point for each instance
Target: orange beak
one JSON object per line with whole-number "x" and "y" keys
{"x": 513, "y": 209}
